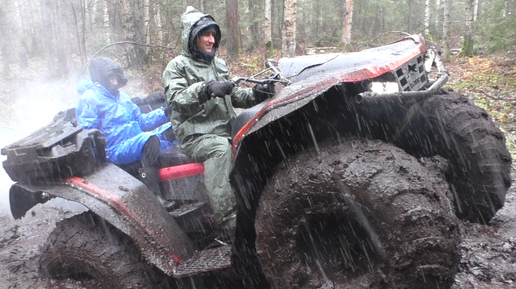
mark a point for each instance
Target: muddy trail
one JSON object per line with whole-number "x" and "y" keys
{"x": 20, "y": 249}
{"x": 487, "y": 252}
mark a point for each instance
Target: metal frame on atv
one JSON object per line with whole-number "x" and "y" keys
{"x": 324, "y": 117}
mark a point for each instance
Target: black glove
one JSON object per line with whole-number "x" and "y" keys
{"x": 218, "y": 88}
{"x": 263, "y": 91}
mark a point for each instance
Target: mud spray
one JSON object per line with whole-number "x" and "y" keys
{"x": 27, "y": 106}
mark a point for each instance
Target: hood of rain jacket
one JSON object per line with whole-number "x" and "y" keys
{"x": 102, "y": 67}
{"x": 193, "y": 22}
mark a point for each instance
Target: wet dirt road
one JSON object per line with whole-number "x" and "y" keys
{"x": 488, "y": 251}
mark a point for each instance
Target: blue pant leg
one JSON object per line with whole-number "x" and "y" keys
{"x": 129, "y": 150}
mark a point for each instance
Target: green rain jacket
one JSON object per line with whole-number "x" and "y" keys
{"x": 184, "y": 80}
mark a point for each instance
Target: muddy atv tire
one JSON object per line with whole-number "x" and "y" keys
{"x": 85, "y": 247}
{"x": 362, "y": 214}
{"x": 480, "y": 162}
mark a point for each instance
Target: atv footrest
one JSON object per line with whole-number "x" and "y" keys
{"x": 189, "y": 217}
{"x": 188, "y": 209}
{"x": 205, "y": 261}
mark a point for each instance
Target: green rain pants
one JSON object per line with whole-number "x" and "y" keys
{"x": 217, "y": 155}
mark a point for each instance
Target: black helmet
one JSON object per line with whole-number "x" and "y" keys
{"x": 101, "y": 68}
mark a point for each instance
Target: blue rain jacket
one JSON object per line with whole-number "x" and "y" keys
{"x": 125, "y": 128}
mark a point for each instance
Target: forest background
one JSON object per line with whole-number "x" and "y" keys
{"x": 54, "y": 40}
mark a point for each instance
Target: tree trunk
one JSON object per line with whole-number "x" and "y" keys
{"x": 106, "y": 22}
{"x": 427, "y": 17}
{"x": 62, "y": 39}
{"x": 289, "y": 29}
{"x": 467, "y": 48}
{"x": 446, "y": 30}
{"x": 80, "y": 28}
{"x": 267, "y": 25}
{"x": 475, "y": 11}
{"x": 48, "y": 41}
{"x": 146, "y": 24}
{"x": 157, "y": 20}
{"x": 438, "y": 17}
{"x": 256, "y": 35}
{"x": 278, "y": 17}
{"x": 317, "y": 16}
{"x": 134, "y": 29}
{"x": 233, "y": 32}
{"x": 26, "y": 22}
{"x": 409, "y": 16}
{"x": 4, "y": 42}
{"x": 348, "y": 23}
{"x": 92, "y": 10}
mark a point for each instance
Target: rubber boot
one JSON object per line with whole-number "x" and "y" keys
{"x": 150, "y": 177}
{"x": 227, "y": 228}
{"x": 150, "y": 151}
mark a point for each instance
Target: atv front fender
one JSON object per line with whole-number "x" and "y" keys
{"x": 128, "y": 205}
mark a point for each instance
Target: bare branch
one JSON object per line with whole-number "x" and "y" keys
{"x": 389, "y": 32}
{"x": 123, "y": 43}
{"x": 492, "y": 97}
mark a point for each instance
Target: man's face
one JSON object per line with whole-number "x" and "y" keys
{"x": 113, "y": 83}
{"x": 205, "y": 41}
{"x": 113, "y": 80}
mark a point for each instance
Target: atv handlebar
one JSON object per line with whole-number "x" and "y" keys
{"x": 275, "y": 77}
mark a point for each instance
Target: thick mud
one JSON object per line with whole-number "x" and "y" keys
{"x": 21, "y": 242}
{"x": 361, "y": 214}
{"x": 488, "y": 252}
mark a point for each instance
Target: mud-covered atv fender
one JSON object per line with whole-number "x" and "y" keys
{"x": 129, "y": 206}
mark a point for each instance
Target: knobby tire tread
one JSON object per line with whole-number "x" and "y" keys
{"x": 408, "y": 208}
{"x": 85, "y": 245}
{"x": 480, "y": 162}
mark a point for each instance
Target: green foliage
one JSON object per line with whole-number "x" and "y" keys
{"x": 467, "y": 47}
{"x": 488, "y": 82}
{"x": 496, "y": 27}
{"x": 269, "y": 48}
{"x": 254, "y": 64}
{"x": 501, "y": 112}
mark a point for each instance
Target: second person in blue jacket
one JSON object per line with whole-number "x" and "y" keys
{"x": 130, "y": 135}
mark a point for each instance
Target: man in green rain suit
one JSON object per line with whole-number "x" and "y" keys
{"x": 202, "y": 99}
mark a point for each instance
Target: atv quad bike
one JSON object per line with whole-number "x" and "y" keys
{"x": 338, "y": 184}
